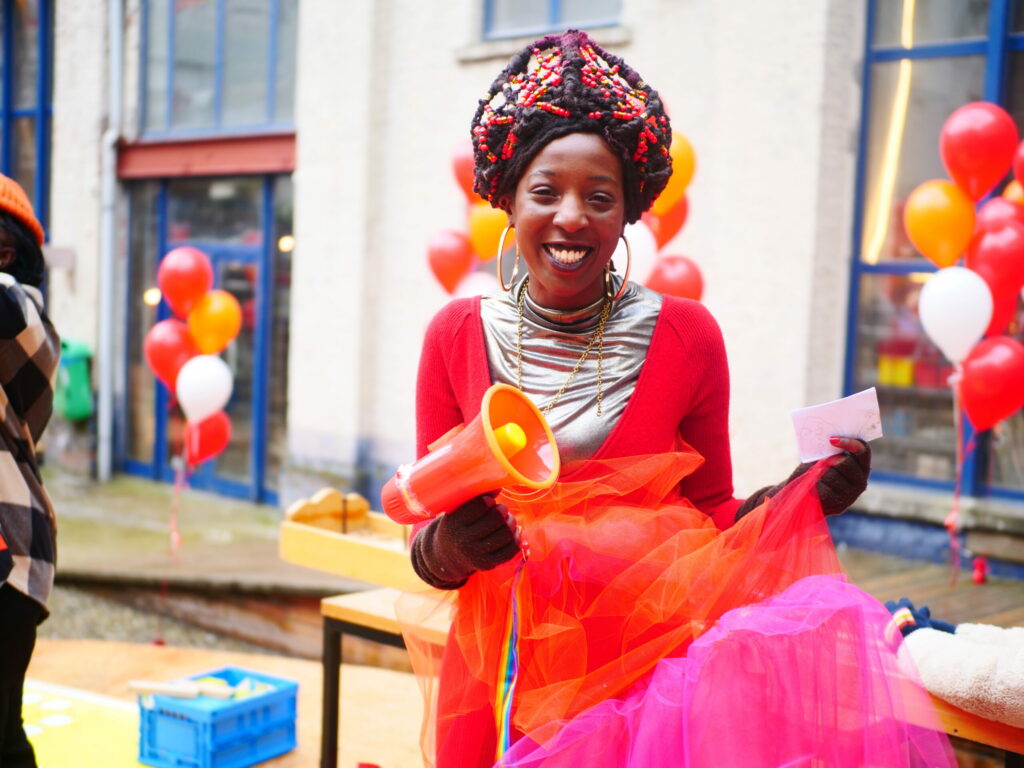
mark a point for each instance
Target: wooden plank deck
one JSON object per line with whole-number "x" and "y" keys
{"x": 999, "y": 601}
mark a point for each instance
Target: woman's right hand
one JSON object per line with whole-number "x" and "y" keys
{"x": 478, "y": 536}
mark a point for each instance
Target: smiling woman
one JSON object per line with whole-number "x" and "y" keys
{"x": 617, "y": 618}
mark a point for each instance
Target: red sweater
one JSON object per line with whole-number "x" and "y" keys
{"x": 682, "y": 393}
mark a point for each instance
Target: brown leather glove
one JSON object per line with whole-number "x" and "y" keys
{"x": 475, "y": 537}
{"x": 839, "y": 485}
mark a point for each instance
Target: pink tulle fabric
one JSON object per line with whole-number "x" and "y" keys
{"x": 816, "y": 676}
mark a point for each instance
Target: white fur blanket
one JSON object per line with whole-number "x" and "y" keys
{"x": 979, "y": 669}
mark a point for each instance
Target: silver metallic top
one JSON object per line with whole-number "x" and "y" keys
{"x": 553, "y": 341}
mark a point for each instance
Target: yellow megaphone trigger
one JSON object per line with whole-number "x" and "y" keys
{"x": 511, "y": 439}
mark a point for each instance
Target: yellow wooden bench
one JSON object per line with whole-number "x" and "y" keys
{"x": 339, "y": 534}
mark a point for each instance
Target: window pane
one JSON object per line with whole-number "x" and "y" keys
{"x": 26, "y": 52}
{"x": 281, "y": 278}
{"x": 239, "y": 278}
{"x": 894, "y": 355}
{"x": 247, "y": 32}
{"x": 1015, "y": 87}
{"x": 195, "y": 30}
{"x": 214, "y": 211}
{"x": 1007, "y": 446}
{"x": 287, "y": 26}
{"x": 517, "y": 17}
{"x": 1018, "y": 16}
{"x": 142, "y": 252}
{"x": 583, "y": 12}
{"x": 910, "y": 100}
{"x": 909, "y": 22}
{"x": 24, "y": 144}
{"x": 156, "y": 66}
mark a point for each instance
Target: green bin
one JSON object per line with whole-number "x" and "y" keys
{"x": 72, "y": 398}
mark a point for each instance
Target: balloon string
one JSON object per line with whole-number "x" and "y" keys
{"x": 952, "y": 522}
{"x": 179, "y": 485}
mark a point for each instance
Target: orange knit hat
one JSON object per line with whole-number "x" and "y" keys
{"x": 14, "y": 200}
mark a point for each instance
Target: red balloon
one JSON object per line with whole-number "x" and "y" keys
{"x": 462, "y": 166}
{"x": 997, "y": 210}
{"x": 450, "y": 256}
{"x": 997, "y": 254}
{"x": 167, "y": 347}
{"x": 977, "y": 146}
{"x": 667, "y": 226}
{"x": 992, "y": 388}
{"x": 676, "y": 276}
{"x": 207, "y": 438}
{"x": 1003, "y": 311}
{"x": 184, "y": 276}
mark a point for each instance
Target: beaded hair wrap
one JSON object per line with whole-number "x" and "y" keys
{"x": 566, "y": 84}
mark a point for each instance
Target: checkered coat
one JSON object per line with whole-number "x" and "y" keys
{"x": 29, "y": 353}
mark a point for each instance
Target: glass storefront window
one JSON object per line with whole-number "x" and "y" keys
{"x": 910, "y": 374}
{"x": 195, "y": 43}
{"x": 1006, "y": 449}
{"x": 246, "y": 56}
{"x": 240, "y": 279}
{"x": 282, "y": 247}
{"x": 142, "y": 314}
{"x": 225, "y": 210}
{"x": 898, "y": 22}
{"x": 222, "y": 217}
{"x": 910, "y": 100}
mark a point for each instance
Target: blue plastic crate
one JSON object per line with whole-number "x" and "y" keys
{"x": 207, "y": 732}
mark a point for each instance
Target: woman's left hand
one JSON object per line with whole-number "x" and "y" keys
{"x": 846, "y": 476}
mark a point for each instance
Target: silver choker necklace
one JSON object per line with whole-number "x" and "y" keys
{"x": 563, "y": 316}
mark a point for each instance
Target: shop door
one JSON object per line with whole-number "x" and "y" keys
{"x": 238, "y": 471}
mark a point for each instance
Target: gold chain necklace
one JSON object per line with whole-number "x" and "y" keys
{"x": 597, "y": 338}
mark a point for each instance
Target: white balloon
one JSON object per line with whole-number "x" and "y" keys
{"x": 203, "y": 387}
{"x": 476, "y": 284}
{"x": 955, "y": 307}
{"x": 644, "y": 249}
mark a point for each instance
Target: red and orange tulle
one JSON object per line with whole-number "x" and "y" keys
{"x": 646, "y": 636}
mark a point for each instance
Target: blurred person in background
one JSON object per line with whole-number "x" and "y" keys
{"x": 29, "y": 353}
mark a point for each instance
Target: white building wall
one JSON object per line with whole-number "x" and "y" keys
{"x": 79, "y": 114}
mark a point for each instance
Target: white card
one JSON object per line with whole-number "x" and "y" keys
{"x": 853, "y": 416}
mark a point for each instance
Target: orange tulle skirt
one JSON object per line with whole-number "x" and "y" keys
{"x": 622, "y": 576}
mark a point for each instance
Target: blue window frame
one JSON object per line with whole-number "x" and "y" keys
{"x": 516, "y": 18}
{"x": 217, "y": 66}
{"x": 26, "y": 78}
{"x": 922, "y": 61}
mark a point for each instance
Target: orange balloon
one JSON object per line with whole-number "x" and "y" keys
{"x": 1014, "y": 192}
{"x": 939, "y": 219}
{"x": 215, "y": 321}
{"x": 485, "y": 226}
{"x": 684, "y": 164}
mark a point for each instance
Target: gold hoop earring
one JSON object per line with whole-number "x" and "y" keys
{"x": 515, "y": 265}
{"x": 625, "y": 279}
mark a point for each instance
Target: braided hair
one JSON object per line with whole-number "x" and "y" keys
{"x": 566, "y": 84}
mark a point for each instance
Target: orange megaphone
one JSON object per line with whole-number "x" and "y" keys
{"x": 508, "y": 445}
